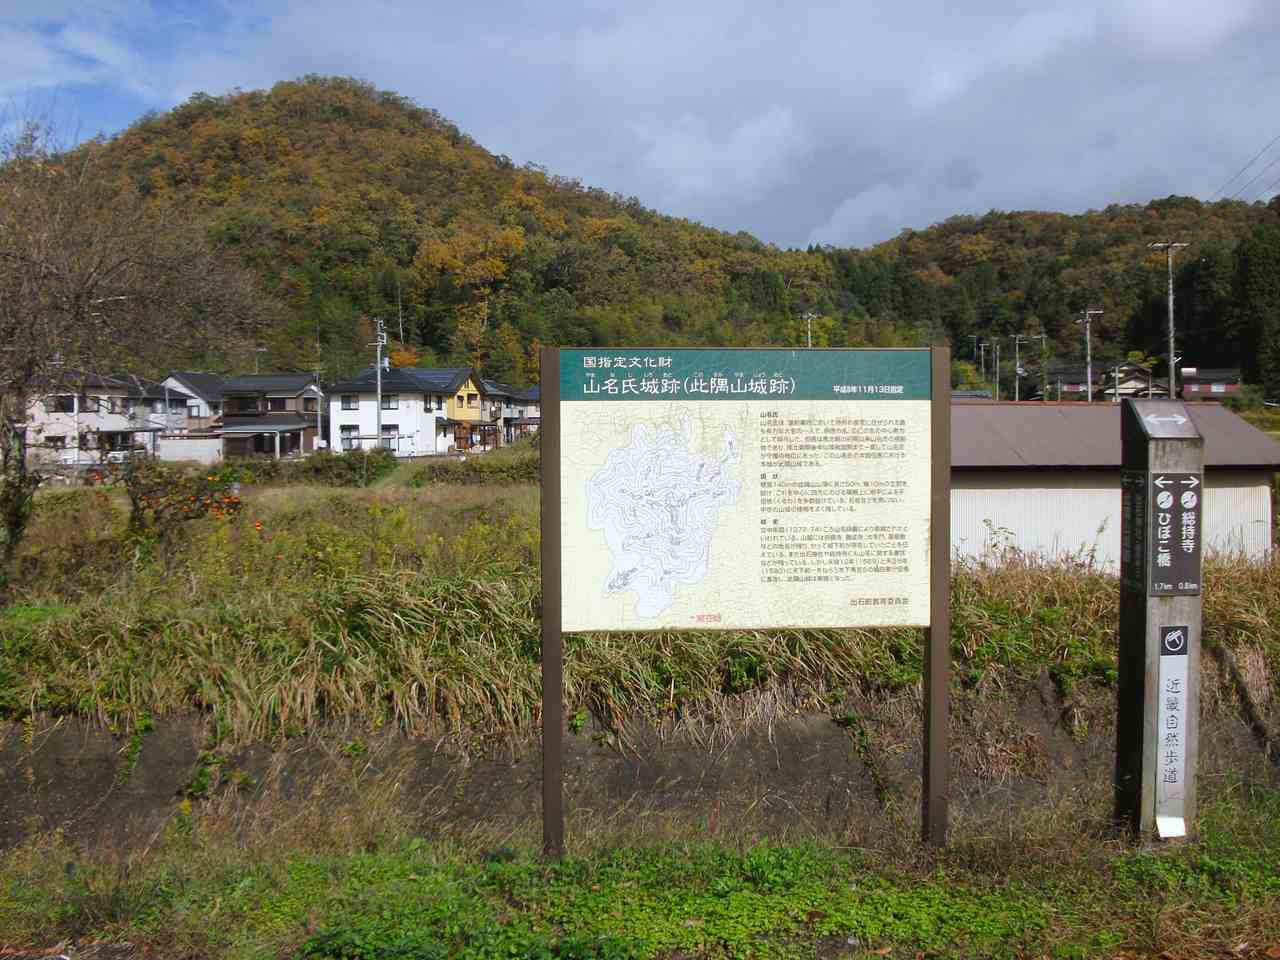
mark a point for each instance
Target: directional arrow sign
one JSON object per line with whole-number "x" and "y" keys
{"x": 1162, "y": 482}
{"x": 1176, "y": 418}
{"x": 1192, "y": 482}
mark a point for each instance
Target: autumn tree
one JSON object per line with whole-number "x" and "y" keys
{"x": 95, "y": 278}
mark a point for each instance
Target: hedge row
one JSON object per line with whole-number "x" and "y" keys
{"x": 355, "y": 468}
{"x": 521, "y": 467}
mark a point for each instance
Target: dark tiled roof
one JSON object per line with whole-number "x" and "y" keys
{"x": 1029, "y": 436}
{"x": 268, "y": 383}
{"x": 138, "y": 388}
{"x": 406, "y": 380}
{"x": 206, "y": 386}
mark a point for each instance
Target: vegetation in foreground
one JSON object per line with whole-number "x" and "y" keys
{"x": 356, "y": 884}
{"x": 419, "y": 608}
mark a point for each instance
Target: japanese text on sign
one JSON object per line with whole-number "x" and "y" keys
{"x": 1172, "y": 727}
{"x": 1175, "y": 534}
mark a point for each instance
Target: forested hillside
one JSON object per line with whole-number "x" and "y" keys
{"x": 352, "y": 203}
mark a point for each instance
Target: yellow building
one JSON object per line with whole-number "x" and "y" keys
{"x": 464, "y": 403}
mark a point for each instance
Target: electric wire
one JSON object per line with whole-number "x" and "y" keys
{"x": 1256, "y": 177}
{"x": 1267, "y": 189}
{"x": 1245, "y": 167}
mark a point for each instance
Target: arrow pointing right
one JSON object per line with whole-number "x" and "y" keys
{"x": 1192, "y": 482}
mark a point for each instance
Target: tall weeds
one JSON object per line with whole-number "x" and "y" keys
{"x": 421, "y": 609}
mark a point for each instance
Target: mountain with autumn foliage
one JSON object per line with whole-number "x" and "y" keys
{"x": 352, "y": 203}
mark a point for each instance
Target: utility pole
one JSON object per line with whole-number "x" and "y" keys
{"x": 1168, "y": 246}
{"x": 1044, "y": 365}
{"x": 320, "y": 402}
{"x": 1017, "y": 364}
{"x": 399, "y": 310}
{"x": 983, "y": 348}
{"x": 379, "y": 341}
{"x": 996, "y": 344}
{"x": 1086, "y": 318}
{"x": 808, "y": 316}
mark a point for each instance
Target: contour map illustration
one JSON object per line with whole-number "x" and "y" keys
{"x": 658, "y": 503}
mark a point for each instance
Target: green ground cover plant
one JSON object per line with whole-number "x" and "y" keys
{"x": 358, "y": 884}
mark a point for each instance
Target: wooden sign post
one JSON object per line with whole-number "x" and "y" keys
{"x": 745, "y": 489}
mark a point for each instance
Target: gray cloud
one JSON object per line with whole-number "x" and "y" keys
{"x": 831, "y": 123}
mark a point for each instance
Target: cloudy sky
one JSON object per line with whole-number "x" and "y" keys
{"x": 818, "y": 122}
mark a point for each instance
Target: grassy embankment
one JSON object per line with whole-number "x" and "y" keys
{"x": 419, "y": 609}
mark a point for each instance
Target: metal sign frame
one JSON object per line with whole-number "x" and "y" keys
{"x": 937, "y": 653}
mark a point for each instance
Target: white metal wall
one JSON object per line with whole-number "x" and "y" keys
{"x": 204, "y": 450}
{"x": 1070, "y": 514}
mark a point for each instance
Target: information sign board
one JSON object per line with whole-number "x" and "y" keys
{"x": 744, "y": 488}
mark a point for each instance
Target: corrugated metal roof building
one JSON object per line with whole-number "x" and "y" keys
{"x": 1044, "y": 478}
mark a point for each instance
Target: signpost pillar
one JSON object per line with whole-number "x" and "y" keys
{"x": 1157, "y": 722}
{"x": 552, "y": 600}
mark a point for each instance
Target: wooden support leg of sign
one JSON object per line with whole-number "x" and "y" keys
{"x": 552, "y": 642}
{"x": 937, "y": 660}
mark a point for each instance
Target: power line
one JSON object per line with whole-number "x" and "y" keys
{"x": 1268, "y": 188}
{"x": 1245, "y": 167}
{"x": 1256, "y": 177}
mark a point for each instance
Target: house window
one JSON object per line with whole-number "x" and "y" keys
{"x": 56, "y": 442}
{"x": 276, "y": 404}
{"x": 350, "y": 401}
{"x": 391, "y": 401}
{"x": 430, "y": 402}
{"x": 193, "y": 411}
{"x": 350, "y": 437}
{"x": 462, "y": 401}
{"x": 390, "y": 431}
{"x": 473, "y": 400}
{"x": 242, "y": 405}
{"x": 61, "y": 404}
{"x": 309, "y": 404}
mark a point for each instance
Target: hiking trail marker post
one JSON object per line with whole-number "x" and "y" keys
{"x": 763, "y": 489}
{"x": 1161, "y": 538}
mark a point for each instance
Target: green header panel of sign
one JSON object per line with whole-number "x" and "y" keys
{"x": 744, "y": 375}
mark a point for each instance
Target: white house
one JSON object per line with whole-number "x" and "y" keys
{"x": 415, "y": 413}
{"x": 204, "y": 409}
{"x": 82, "y": 418}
